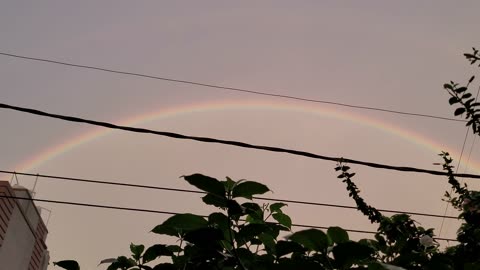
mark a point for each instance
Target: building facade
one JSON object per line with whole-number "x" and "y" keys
{"x": 22, "y": 231}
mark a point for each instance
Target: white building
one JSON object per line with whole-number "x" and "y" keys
{"x": 22, "y": 231}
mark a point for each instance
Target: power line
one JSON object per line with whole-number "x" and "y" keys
{"x": 232, "y": 143}
{"x": 227, "y": 88}
{"x": 170, "y": 213}
{"x": 92, "y": 181}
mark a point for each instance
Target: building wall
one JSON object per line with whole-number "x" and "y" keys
{"x": 22, "y": 232}
{"x": 18, "y": 244}
{"x": 6, "y": 210}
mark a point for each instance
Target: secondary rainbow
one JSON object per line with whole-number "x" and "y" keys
{"x": 55, "y": 151}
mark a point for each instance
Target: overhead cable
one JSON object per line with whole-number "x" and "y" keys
{"x": 93, "y": 181}
{"x": 170, "y": 213}
{"x": 227, "y": 88}
{"x": 233, "y": 143}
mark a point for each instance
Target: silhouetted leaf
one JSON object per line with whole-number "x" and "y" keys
{"x": 459, "y": 111}
{"x": 276, "y": 207}
{"x": 337, "y": 234}
{"x": 215, "y": 200}
{"x": 156, "y": 251}
{"x": 165, "y": 266}
{"x": 350, "y": 252}
{"x": 460, "y": 90}
{"x": 268, "y": 241}
{"x": 250, "y": 231}
{"x": 122, "y": 263}
{"x": 136, "y": 250}
{"x": 68, "y": 264}
{"x": 219, "y": 219}
{"x": 383, "y": 266}
{"x": 311, "y": 239}
{"x": 249, "y": 188}
{"x": 109, "y": 260}
{"x": 283, "y": 248}
{"x": 234, "y": 209}
{"x": 204, "y": 236}
{"x": 453, "y": 100}
{"x": 228, "y": 184}
{"x": 283, "y": 219}
{"x": 254, "y": 211}
{"x": 206, "y": 183}
{"x": 180, "y": 223}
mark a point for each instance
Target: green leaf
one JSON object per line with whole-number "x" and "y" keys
{"x": 228, "y": 184}
{"x": 206, "y": 183}
{"x": 268, "y": 241}
{"x": 215, "y": 200}
{"x": 283, "y": 219}
{"x": 137, "y": 251}
{"x": 220, "y": 220}
{"x": 68, "y": 264}
{"x": 350, "y": 252}
{"x": 180, "y": 224}
{"x": 337, "y": 234}
{"x": 254, "y": 212}
{"x": 276, "y": 207}
{"x": 156, "y": 251}
{"x": 248, "y": 232}
{"x": 459, "y": 111}
{"x": 311, "y": 239}
{"x": 249, "y": 188}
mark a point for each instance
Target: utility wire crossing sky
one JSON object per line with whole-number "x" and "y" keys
{"x": 171, "y": 213}
{"x": 92, "y": 181}
{"x": 231, "y": 88}
{"x": 233, "y": 143}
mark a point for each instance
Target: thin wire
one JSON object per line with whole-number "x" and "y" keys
{"x": 228, "y": 88}
{"x": 11, "y": 179}
{"x": 470, "y": 154}
{"x": 458, "y": 166}
{"x": 91, "y": 181}
{"x": 16, "y": 178}
{"x": 171, "y": 213}
{"x": 232, "y": 143}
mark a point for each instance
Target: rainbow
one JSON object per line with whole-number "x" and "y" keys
{"x": 55, "y": 151}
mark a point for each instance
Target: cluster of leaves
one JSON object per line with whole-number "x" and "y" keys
{"x": 242, "y": 236}
{"x": 398, "y": 240}
{"x": 473, "y": 57}
{"x": 467, "y": 252}
{"x": 461, "y": 96}
{"x": 245, "y": 235}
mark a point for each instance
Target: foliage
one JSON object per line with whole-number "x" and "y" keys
{"x": 245, "y": 235}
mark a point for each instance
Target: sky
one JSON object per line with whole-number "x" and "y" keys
{"x": 393, "y": 55}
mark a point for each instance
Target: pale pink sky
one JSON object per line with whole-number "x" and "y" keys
{"x": 393, "y": 55}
